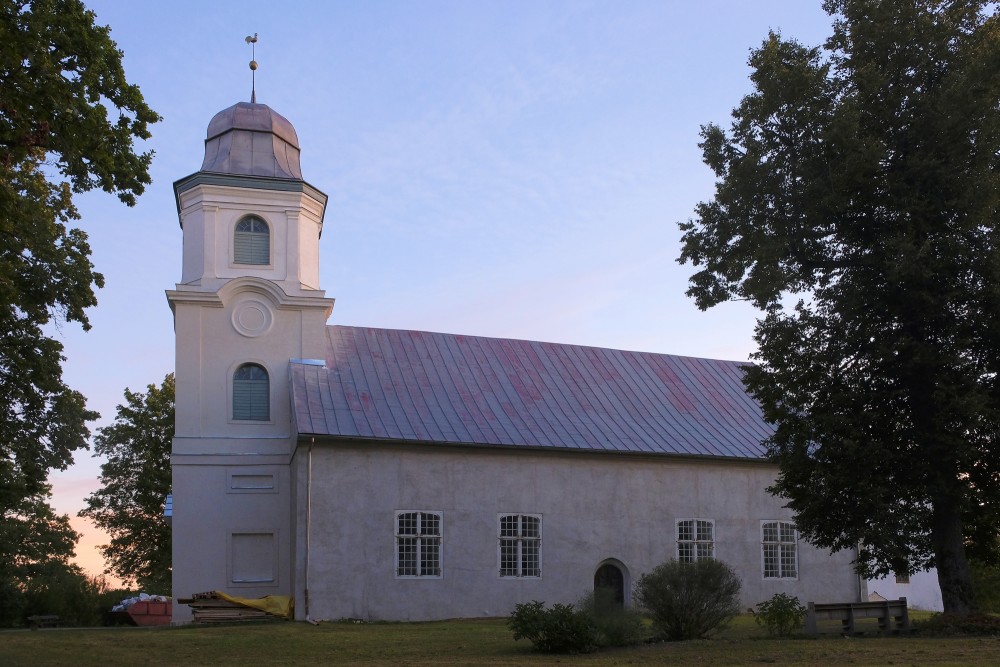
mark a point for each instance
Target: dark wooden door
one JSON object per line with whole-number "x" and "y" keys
{"x": 609, "y": 576}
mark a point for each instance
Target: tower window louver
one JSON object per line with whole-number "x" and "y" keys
{"x": 252, "y": 243}
{"x": 251, "y": 393}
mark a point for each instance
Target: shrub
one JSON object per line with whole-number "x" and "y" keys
{"x": 561, "y": 629}
{"x": 958, "y": 625}
{"x": 781, "y": 615}
{"x": 615, "y": 625}
{"x": 986, "y": 583}
{"x": 689, "y": 600}
{"x": 67, "y": 592}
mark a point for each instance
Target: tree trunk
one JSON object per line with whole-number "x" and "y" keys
{"x": 937, "y": 451}
{"x": 954, "y": 575}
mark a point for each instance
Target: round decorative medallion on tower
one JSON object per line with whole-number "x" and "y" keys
{"x": 252, "y": 140}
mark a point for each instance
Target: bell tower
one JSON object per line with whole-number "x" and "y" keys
{"x": 248, "y": 301}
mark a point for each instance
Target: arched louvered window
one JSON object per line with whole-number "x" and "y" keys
{"x": 252, "y": 244}
{"x": 251, "y": 393}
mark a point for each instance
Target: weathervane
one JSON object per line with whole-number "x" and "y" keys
{"x": 253, "y": 68}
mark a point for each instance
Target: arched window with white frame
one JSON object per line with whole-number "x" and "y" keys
{"x": 251, "y": 393}
{"x": 252, "y": 241}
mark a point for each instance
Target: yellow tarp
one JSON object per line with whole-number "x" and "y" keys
{"x": 278, "y": 605}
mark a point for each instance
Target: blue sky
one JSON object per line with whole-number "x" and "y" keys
{"x": 508, "y": 168}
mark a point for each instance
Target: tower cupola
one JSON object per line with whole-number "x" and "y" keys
{"x": 252, "y": 140}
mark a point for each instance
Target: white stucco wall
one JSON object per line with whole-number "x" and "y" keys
{"x": 922, "y": 591}
{"x": 594, "y": 507}
{"x": 215, "y": 499}
{"x": 209, "y": 214}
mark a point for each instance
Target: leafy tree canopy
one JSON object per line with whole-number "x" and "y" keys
{"x": 36, "y": 576}
{"x": 34, "y": 542}
{"x": 32, "y": 534}
{"x": 856, "y": 205}
{"x": 134, "y": 483}
{"x": 61, "y": 80}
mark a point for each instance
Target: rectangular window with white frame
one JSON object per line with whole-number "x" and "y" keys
{"x": 779, "y": 544}
{"x": 520, "y": 545}
{"x": 418, "y": 544}
{"x": 695, "y": 540}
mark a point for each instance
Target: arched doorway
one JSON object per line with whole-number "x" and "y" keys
{"x": 609, "y": 575}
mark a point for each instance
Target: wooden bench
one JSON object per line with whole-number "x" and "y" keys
{"x": 43, "y": 621}
{"x": 891, "y": 616}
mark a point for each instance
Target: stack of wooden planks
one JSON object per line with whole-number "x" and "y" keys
{"x": 210, "y": 608}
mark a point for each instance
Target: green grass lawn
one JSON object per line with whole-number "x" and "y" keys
{"x": 472, "y": 642}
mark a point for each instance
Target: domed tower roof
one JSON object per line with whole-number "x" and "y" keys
{"x": 252, "y": 140}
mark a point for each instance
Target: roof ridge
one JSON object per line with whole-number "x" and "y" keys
{"x": 537, "y": 342}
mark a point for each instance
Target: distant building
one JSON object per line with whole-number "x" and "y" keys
{"x": 921, "y": 590}
{"x": 406, "y": 475}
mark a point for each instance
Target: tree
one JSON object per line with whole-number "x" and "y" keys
{"x": 65, "y": 590}
{"x": 134, "y": 484}
{"x": 60, "y": 75}
{"x": 856, "y": 206}
{"x": 34, "y": 542}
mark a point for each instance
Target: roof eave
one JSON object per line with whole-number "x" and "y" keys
{"x": 321, "y": 438}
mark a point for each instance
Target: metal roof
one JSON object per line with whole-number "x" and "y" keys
{"x": 387, "y": 384}
{"x": 252, "y": 140}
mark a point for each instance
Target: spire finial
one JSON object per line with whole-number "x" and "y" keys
{"x": 252, "y": 41}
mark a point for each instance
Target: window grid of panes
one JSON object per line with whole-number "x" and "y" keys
{"x": 520, "y": 545}
{"x": 252, "y": 242}
{"x": 779, "y": 550}
{"x": 695, "y": 540}
{"x": 251, "y": 393}
{"x": 418, "y": 544}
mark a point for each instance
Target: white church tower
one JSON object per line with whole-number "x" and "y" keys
{"x": 248, "y": 301}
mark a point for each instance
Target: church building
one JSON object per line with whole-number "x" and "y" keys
{"x": 408, "y": 475}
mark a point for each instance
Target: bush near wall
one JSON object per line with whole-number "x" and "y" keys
{"x": 616, "y": 625}
{"x": 561, "y": 629}
{"x": 781, "y": 615}
{"x": 689, "y": 600}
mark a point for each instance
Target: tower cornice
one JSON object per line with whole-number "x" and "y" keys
{"x": 250, "y": 182}
{"x": 307, "y": 300}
